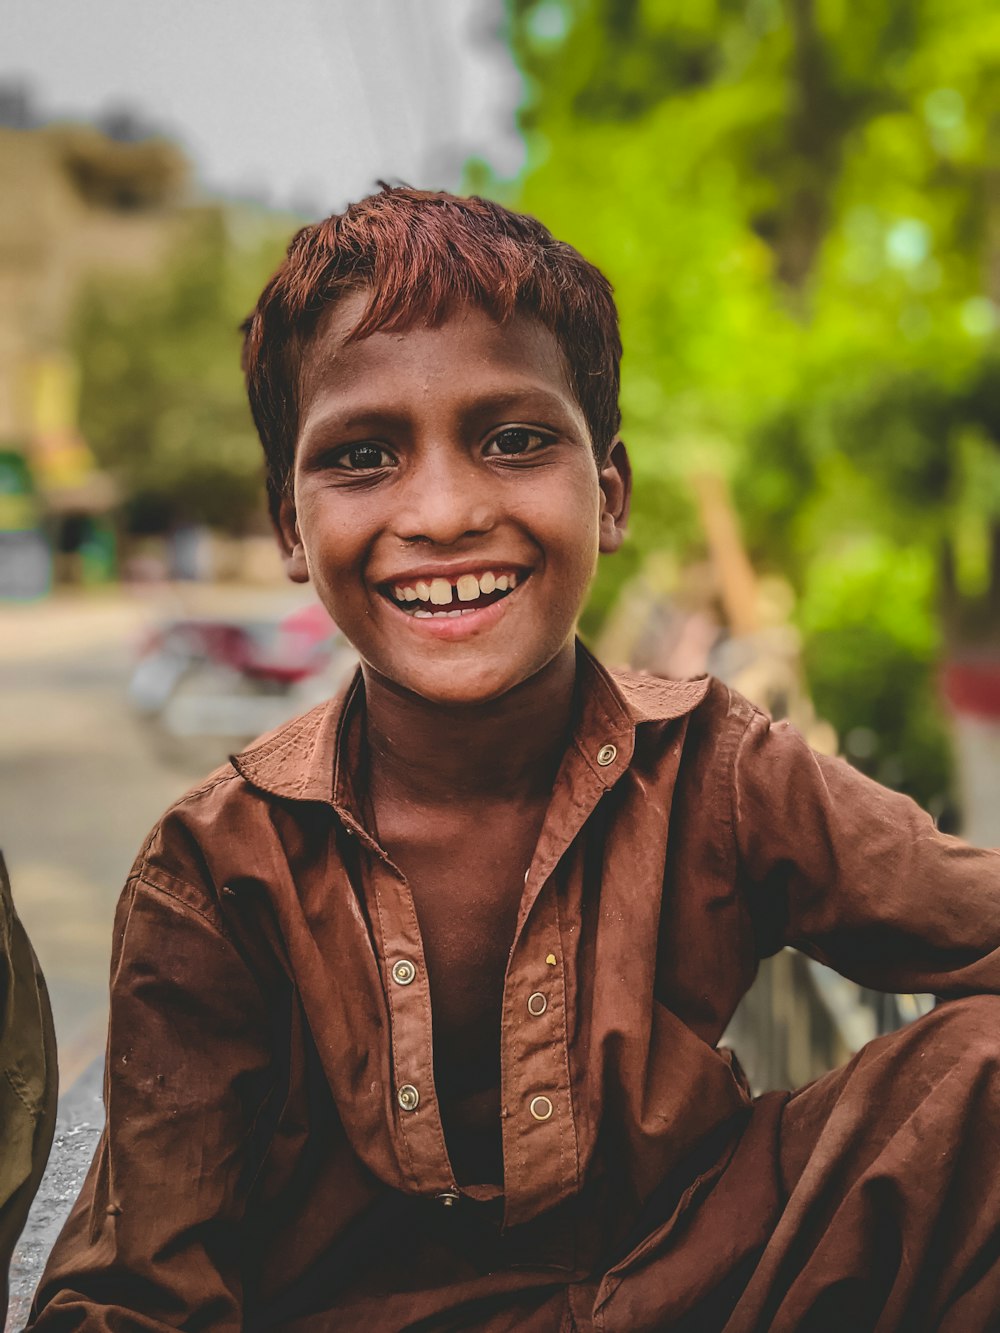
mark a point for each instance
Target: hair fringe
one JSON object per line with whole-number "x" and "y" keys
{"x": 423, "y": 253}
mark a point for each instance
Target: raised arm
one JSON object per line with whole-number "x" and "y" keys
{"x": 153, "y": 1240}
{"x": 858, "y": 876}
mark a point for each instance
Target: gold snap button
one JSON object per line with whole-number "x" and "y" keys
{"x": 403, "y": 972}
{"x": 607, "y": 754}
{"x": 537, "y": 1004}
{"x": 408, "y": 1097}
{"x": 540, "y": 1108}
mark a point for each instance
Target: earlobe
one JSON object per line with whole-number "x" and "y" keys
{"x": 616, "y": 496}
{"x": 293, "y": 553}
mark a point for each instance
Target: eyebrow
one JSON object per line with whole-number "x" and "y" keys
{"x": 371, "y": 416}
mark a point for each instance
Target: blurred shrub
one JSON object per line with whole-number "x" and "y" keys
{"x": 872, "y": 641}
{"x": 798, "y": 202}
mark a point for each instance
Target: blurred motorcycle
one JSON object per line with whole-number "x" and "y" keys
{"x": 204, "y": 687}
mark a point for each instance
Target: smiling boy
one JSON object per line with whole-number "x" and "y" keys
{"x": 415, "y": 1004}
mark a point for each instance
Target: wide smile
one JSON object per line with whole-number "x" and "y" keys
{"x": 455, "y": 603}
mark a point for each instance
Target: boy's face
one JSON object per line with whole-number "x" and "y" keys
{"x": 446, "y": 503}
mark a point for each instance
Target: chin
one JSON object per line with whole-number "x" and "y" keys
{"x": 459, "y": 687}
{"x": 458, "y": 683}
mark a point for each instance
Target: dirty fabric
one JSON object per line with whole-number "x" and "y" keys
{"x": 275, "y": 1155}
{"x": 28, "y": 1079}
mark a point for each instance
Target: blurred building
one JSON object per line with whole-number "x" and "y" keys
{"x": 74, "y": 199}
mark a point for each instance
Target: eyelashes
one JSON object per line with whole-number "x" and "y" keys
{"x": 369, "y": 456}
{"x": 514, "y": 440}
{"x": 363, "y": 457}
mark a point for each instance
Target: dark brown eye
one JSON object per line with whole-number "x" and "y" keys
{"x": 360, "y": 457}
{"x": 514, "y": 440}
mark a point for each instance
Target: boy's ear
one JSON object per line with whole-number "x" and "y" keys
{"x": 616, "y": 497}
{"x": 293, "y": 553}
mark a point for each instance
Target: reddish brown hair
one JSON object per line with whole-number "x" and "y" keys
{"x": 422, "y": 254}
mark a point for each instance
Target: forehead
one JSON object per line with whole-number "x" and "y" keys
{"x": 468, "y": 348}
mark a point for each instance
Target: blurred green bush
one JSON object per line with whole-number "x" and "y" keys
{"x": 798, "y": 202}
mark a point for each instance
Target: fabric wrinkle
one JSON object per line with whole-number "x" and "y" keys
{"x": 658, "y": 881}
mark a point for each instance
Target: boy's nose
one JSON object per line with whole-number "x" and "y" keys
{"x": 445, "y": 500}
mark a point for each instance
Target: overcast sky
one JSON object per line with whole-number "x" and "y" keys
{"x": 306, "y": 101}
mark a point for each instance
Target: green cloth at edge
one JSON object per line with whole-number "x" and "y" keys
{"x": 28, "y": 1080}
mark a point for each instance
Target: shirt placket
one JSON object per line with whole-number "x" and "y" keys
{"x": 540, "y": 1148}
{"x": 419, "y": 1131}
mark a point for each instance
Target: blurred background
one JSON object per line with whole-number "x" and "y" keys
{"x": 798, "y": 202}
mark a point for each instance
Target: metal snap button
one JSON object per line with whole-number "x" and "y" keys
{"x": 607, "y": 754}
{"x": 403, "y": 972}
{"x": 537, "y": 1004}
{"x": 540, "y": 1108}
{"x": 447, "y": 1198}
{"x": 408, "y": 1097}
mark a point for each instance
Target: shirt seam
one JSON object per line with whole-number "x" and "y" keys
{"x": 737, "y": 743}
{"x": 216, "y": 927}
{"x": 286, "y": 734}
{"x": 565, "y": 1044}
{"x": 209, "y": 785}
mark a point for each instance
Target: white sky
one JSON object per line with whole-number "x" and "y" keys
{"x": 304, "y": 100}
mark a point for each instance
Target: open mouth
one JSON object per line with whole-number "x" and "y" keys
{"x": 452, "y": 597}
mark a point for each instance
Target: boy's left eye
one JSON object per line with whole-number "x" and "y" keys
{"x": 515, "y": 440}
{"x": 362, "y": 457}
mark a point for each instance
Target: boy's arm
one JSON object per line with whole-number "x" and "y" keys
{"x": 858, "y": 876}
{"x": 153, "y": 1240}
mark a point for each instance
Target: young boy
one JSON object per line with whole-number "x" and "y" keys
{"x": 415, "y": 1003}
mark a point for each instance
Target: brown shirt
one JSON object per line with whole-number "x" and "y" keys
{"x": 274, "y": 1143}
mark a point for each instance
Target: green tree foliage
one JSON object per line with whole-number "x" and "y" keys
{"x": 162, "y": 398}
{"x": 798, "y": 202}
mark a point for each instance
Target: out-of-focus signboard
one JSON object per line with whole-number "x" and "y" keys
{"x": 25, "y": 561}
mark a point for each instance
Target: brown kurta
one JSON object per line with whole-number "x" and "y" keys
{"x": 274, "y": 1155}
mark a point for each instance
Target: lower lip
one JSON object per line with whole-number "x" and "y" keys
{"x": 450, "y": 628}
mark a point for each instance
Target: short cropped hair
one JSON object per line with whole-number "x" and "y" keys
{"x": 423, "y": 254}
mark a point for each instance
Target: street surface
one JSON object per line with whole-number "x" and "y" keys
{"x": 80, "y": 782}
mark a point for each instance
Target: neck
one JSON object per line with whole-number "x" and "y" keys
{"x": 506, "y": 749}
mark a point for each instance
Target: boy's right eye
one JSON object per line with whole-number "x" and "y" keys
{"x": 362, "y": 457}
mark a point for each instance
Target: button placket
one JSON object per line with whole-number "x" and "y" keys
{"x": 541, "y": 1158}
{"x": 425, "y": 1155}
{"x": 539, "y": 1133}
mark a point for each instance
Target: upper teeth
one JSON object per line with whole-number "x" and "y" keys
{"x": 440, "y": 592}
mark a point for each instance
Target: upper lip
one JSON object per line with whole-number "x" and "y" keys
{"x": 451, "y": 572}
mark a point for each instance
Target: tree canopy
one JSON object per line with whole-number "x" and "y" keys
{"x": 162, "y": 400}
{"x": 798, "y": 202}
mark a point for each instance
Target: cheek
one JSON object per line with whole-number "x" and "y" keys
{"x": 333, "y": 534}
{"x": 575, "y": 526}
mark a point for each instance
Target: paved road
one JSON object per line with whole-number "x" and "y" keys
{"x": 80, "y": 786}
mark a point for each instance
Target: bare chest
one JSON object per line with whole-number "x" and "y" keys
{"x": 466, "y": 877}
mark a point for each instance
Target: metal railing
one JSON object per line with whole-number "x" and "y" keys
{"x": 799, "y": 1020}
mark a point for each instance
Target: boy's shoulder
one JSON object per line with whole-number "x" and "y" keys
{"x": 223, "y": 824}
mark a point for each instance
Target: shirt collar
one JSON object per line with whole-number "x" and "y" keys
{"x": 311, "y": 757}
